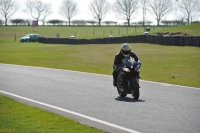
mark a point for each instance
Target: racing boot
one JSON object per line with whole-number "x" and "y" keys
{"x": 115, "y": 82}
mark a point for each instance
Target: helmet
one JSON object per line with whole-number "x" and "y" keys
{"x": 126, "y": 49}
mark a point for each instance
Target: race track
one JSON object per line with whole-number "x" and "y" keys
{"x": 91, "y": 99}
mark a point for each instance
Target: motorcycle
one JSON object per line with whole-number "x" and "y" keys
{"x": 128, "y": 78}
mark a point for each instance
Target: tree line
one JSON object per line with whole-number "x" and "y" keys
{"x": 125, "y": 10}
{"x": 57, "y": 22}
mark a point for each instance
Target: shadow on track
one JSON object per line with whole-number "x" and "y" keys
{"x": 128, "y": 99}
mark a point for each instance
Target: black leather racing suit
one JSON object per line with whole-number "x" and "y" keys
{"x": 118, "y": 62}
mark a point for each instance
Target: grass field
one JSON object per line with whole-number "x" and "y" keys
{"x": 20, "y": 118}
{"x": 66, "y": 32}
{"x": 191, "y": 30}
{"x": 169, "y": 64}
{"x": 90, "y": 32}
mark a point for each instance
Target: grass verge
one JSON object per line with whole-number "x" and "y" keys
{"x": 19, "y": 118}
{"x": 169, "y": 64}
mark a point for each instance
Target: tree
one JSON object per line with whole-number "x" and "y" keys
{"x": 47, "y": 12}
{"x": 28, "y": 22}
{"x": 126, "y": 9}
{"x": 37, "y": 9}
{"x": 8, "y": 8}
{"x": 159, "y": 8}
{"x": 110, "y": 22}
{"x": 92, "y": 22}
{"x": 144, "y": 9}
{"x": 79, "y": 22}
{"x": 148, "y": 22}
{"x": 99, "y": 9}
{"x": 68, "y": 9}
{"x": 18, "y": 21}
{"x": 55, "y": 21}
{"x": 1, "y": 22}
{"x": 189, "y": 7}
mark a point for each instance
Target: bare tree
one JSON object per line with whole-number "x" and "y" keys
{"x": 126, "y": 9}
{"x": 159, "y": 8}
{"x": 28, "y": 22}
{"x": 8, "y": 8}
{"x": 144, "y": 9}
{"x": 68, "y": 9}
{"x": 47, "y": 12}
{"x": 37, "y": 9}
{"x": 189, "y": 7}
{"x": 1, "y": 22}
{"x": 99, "y": 9}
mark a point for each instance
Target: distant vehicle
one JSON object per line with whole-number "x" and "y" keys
{"x": 145, "y": 33}
{"x": 30, "y": 38}
{"x": 72, "y": 37}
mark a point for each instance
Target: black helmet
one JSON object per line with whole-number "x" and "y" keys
{"x": 126, "y": 49}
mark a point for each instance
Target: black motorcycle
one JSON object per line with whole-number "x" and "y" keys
{"x": 128, "y": 78}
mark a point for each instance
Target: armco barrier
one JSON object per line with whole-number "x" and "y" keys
{"x": 158, "y": 39}
{"x": 182, "y": 41}
{"x": 152, "y": 39}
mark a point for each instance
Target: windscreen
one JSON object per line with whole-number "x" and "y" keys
{"x": 128, "y": 61}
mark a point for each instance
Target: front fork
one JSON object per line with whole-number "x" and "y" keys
{"x": 126, "y": 79}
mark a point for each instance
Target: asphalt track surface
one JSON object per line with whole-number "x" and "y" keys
{"x": 91, "y": 99}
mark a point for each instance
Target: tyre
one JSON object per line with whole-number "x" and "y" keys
{"x": 122, "y": 92}
{"x": 135, "y": 91}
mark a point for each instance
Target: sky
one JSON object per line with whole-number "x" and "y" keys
{"x": 84, "y": 13}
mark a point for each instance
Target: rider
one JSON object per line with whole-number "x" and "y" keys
{"x": 124, "y": 52}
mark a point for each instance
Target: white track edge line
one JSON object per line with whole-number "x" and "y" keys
{"x": 72, "y": 112}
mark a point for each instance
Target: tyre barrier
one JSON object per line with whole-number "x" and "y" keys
{"x": 152, "y": 39}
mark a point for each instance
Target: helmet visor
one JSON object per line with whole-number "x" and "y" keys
{"x": 126, "y": 52}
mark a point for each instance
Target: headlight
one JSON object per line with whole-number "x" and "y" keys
{"x": 126, "y": 69}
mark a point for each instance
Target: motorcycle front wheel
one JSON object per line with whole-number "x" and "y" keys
{"x": 135, "y": 89}
{"x": 121, "y": 90}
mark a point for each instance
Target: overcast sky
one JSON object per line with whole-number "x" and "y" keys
{"x": 84, "y": 13}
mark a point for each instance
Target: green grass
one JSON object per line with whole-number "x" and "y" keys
{"x": 169, "y": 64}
{"x": 93, "y": 32}
{"x": 66, "y": 32}
{"x": 8, "y": 32}
{"x": 19, "y": 118}
{"x": 191, "y": 30}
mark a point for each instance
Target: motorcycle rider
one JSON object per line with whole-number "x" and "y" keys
{"x": 124, "y": 52}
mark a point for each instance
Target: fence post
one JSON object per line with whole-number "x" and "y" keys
{"x": 135, "y": 28}
{"x": 119, "y": 32}
{"x": 15, "y": 37}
